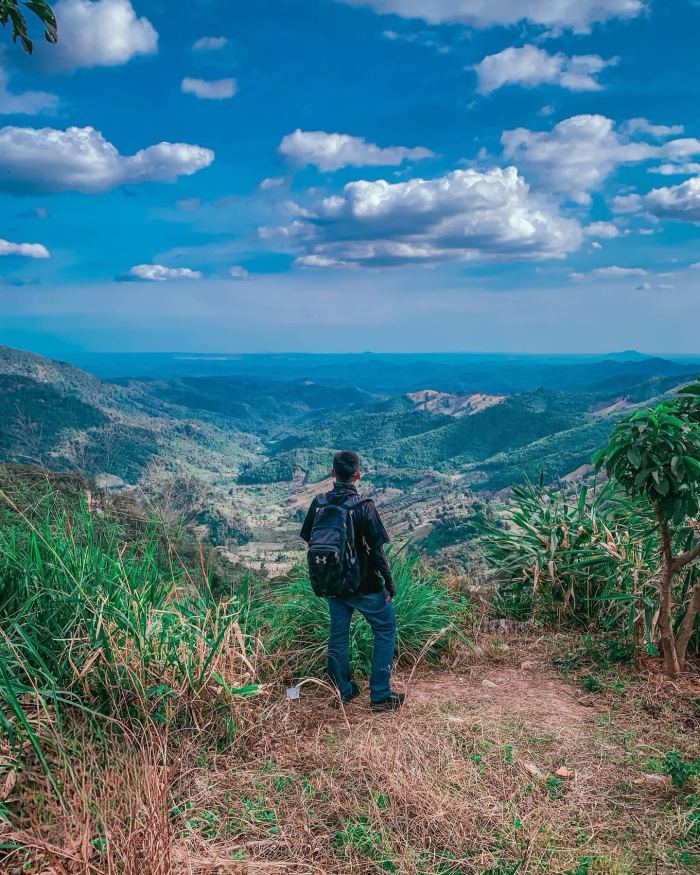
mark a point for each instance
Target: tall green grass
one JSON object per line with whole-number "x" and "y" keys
{"x": 588, "y": 560}
{"x": 293, "y": 622}
{"x": 93, "y": 619}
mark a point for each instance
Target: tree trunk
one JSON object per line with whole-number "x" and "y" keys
{"x": 637, "y": 639}
{"x": 671, "y": 664}
{"x": 685, "y": 630}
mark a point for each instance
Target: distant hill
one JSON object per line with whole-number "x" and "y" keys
{"x": 388, "y": 373}
{"x": 60, "y": 375}
{"x": 57, "y": 415}
{"x": 259, "y": 405}
{"x": 271, "y": 431}
{"x": 449, "y": 404}
{"x": 500, "y": 439}
{"x": 238, "y": 454}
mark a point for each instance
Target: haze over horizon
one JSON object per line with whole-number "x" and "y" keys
{"x": 352, "y": 175}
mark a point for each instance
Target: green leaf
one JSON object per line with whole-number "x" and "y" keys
{"x": 662, "y": 484}
{"x": 247, "y": 690}
{"x": 634, "y": 456}
{"x": 599, "y": 458}
{"x": 640, "y": 479}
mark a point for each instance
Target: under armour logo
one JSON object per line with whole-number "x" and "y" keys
{"x": 321, "y": 559}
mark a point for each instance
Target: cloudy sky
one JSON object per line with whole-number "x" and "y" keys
{"x": 353, "y": 174}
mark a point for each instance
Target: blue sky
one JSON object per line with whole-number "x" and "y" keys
{"x": 353, "y": 174}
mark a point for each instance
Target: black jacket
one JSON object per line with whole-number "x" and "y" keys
{"x": 370, "y": 537}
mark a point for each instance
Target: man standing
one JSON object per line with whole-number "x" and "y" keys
{"x": 342, "y": 522}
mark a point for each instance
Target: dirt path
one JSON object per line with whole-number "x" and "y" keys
{"x": 502, "y": 767}
{"x": 531, "y": 692}
{"x": 534, "y": 694}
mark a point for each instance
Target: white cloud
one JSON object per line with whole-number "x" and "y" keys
{"x": 578, "y": 15}
{"x": 579, "y": 153}
{"x": 628, "y": 203}
{"x": 236, "y": 272}
{"x": 99, "y": 33}
{"x": 616, "y": 272}
{"x": 209, "y": 43}
{"x": 680, "y": 202}
{"x": 213, "y": 89}
{"x": 80, "y": 159}
{"x": 680, "y": 149}
{"x": 596, "y": 245}
{"x": 271, "y": 182}
{"x": 159, "y": 273}
{"x": 644, "y": 126}
{"x": 333, "y": 151}
{"x": 575, "y": 157}
{"x": 419, "y": 39}
{"x": 613, "y": 272}
{"x": 26, "y": 102}
{"x": 603, "y": 230}
{"x": 688, "y": 169}
{"x": 643, "y": 287}
{"x": 530, "y": 66}
{"x": 461, "y": 216}
{"x": 28, "y": 250}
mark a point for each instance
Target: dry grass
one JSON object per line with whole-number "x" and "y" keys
{"x": 461, "y": 781}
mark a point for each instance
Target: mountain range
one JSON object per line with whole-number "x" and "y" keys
{"x": 244, "y": 435}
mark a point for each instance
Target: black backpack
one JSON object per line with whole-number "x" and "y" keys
{"x": 334, "y": 569}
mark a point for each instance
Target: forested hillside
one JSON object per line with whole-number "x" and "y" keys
{"x": 232, "y": 442}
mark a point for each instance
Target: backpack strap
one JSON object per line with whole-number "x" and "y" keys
{"x": 350, "y": 505}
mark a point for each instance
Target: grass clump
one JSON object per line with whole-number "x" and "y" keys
{"x": 293, "y": 622}
{"x": 109, "y": 624}
{"x": 680, "y": 770}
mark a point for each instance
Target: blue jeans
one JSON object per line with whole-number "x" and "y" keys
{"x": 379, "y": 613}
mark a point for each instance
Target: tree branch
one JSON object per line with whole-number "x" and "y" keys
{"x": 685, "y": 630}
{"x": 666, "y": 548}
{"x": 686, "y": 558}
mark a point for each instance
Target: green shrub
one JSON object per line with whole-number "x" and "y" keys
{"x": 579, "y": 560}
{"x": 679, "y": 770}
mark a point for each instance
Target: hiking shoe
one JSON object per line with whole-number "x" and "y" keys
{"x": 339, "y": 700}
{"x": 392, "y": 702}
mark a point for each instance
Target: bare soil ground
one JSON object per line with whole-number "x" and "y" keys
{"x": 537, "y": 696}
{"x": 495, "y": 767}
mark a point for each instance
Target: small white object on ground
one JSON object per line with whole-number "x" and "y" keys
{"x": 488, "y": 684}
{"x": 293, "y": 692}
{"x": 533, "y": 770}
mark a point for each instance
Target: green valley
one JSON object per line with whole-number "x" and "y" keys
{"x": 237, "y": 446}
